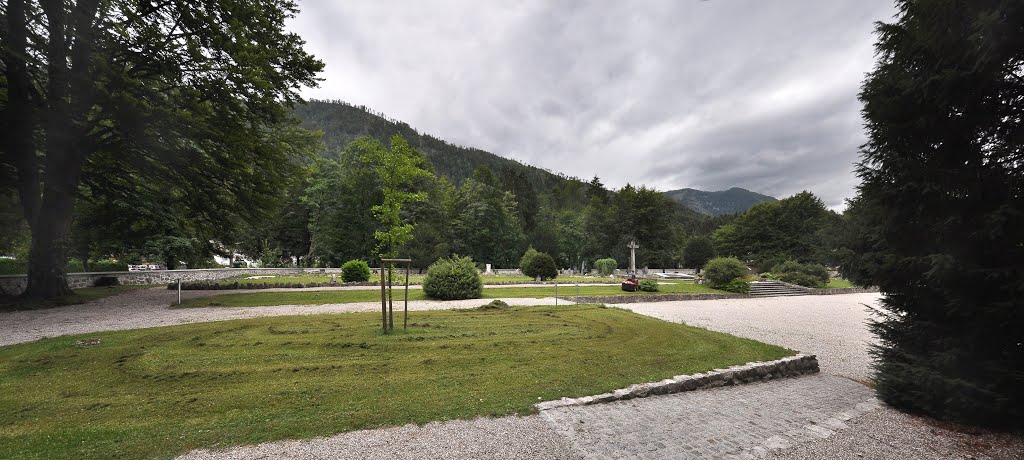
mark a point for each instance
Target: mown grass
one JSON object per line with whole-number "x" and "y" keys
{"x": 160, "y": 392}
{"x": 838, "y": 283}
{"x": 251, "y": 299}
{"x": 13, "y": 303}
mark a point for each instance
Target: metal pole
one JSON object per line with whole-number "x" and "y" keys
{"x": 179, "y": 291}
{"x": 391, "y": 300}
{"x": 556, "y": 293}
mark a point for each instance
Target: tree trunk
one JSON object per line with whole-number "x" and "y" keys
{"x": 47, "y": 263}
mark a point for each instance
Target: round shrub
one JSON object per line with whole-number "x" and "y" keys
{"x": 606, "y": 266}
{"x": 543, "y": 266}
{"x": 721, "y": 271}
{"x": 453, "y": 279}
{"x": 355, "y": 270}
{"x": 649, "y": 285}
{"x": 524, "y": 262}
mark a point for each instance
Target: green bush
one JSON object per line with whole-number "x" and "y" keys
{"x": 807, "y": 275}
{"x": 524, "y": 262}
{"x": 606, "y": 267}
{"x": 648, "y": 285}
{"x": 453, "y": 279}
{"x": 721, "y": 271}
{"x": 543, "y": 266}
{"x": 75, "y": 266}
{"x": 108, "y": 266}
{"x": 801, "y": 279}
{"x": 355, "y": 270}
{"x": 13, "y": 266}
{"x": 738, "y": 285}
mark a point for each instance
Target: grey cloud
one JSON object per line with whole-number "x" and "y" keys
{"x": 710, "y": 95}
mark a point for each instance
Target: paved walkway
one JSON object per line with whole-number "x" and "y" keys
{"x": 152, "y": 308}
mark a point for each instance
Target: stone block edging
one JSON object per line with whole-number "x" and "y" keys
{"x": 637, "y": 298}
{"x": 790, "y": 366}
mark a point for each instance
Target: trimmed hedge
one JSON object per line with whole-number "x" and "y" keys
{"x": 455, "y": 278}
{"x": 541, "y": 265}
{"x": 648, "y": 285}
{"x": 355, "y": 271}
{"x": 723, "y": 270}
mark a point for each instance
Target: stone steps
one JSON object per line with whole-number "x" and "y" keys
{"x": 775, "y": 289}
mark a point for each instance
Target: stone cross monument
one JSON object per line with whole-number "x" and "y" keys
{"x": 632, "y": 255}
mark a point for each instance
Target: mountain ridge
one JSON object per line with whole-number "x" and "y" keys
{"x": 341, "y": 123}
{"x": 731, "y": 201}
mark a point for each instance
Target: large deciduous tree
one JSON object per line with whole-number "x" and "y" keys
{"x": 182, "y": 98}
{"x": 940, "y": 210}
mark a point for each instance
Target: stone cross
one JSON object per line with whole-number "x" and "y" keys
{"x": 632, "y": 255}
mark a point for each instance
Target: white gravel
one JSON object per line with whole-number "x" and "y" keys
{"x": 152, "y": 307}
{"x": 832, "y": 327}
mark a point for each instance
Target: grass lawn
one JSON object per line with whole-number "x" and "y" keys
{"x": 159, "y": 392}
{"x": 79, "y": 296}
{"x": 250, "y": 299}
{"x": 838, "y": 283}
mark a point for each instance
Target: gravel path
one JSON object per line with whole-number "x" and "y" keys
{"x": 832, "y": 327}
{"x": 151, "y": 308}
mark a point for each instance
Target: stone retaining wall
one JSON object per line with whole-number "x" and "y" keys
{"x": 791, "y": 366}
{"x": 648, "y": 298}
{"x": 15, "y": 284}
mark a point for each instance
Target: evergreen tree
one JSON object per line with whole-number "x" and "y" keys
{"x": 939, "y": 210}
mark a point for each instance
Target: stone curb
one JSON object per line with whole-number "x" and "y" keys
{"x": 790, "y": 366}
{"x": 637, "y": 298}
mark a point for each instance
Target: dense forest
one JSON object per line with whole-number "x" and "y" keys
{"x": 474, "y": 203}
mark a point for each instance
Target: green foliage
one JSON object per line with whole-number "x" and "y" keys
{"x": 453, "y": 279}
{"x": 181, "y": 130}
{"x": 698, "y": 251}
{"x": 13, "y": 266}
{"x": 801, "y": 279}
{"x": 75, "y": 266}
{"x": 401, "y": 171}
{"x": 541, "y": 266}
{"x": 606, "y": 266}
{"x": 721, "y": 271}
{"x": 938, "y": 212}
{"x": 109, "y": 266}
{"x": 524, "y": 262}
{"x": 807, "y": 275}
{"x": 648, "y": 285}
{"x": 771, "y": 232}
{"x": 355, "y": 271}
{"x": 738, "y": 285}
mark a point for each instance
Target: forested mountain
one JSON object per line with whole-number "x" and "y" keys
{"x": 732, "y": 201}
{"x": 342, "y": 123}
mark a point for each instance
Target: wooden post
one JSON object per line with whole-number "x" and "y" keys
{"x": 386, "y": 300}
{"x": 383, "y": 302}
{"x": 405, "y": 319}
{"x": 391, "y": 301}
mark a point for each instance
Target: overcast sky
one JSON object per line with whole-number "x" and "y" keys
{"x": 759, "y": 94}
